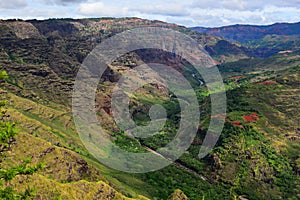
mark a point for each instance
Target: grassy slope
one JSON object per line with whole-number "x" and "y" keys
{"x": 43, "y": 127}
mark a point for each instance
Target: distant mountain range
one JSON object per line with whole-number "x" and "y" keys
{"x": 264, "y": 40}
{"x": 244, "y": 33}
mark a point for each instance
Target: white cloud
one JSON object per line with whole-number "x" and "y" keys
{"x": 100, "y": 9}
{"x": 285, "y": 3}
{"x": 243, "y": 4}
{"x": 234, "y": 4}
{"x": 188, "y": 12}
{"x": 12, "y": 4}
{"x": 225, "y": 16}
{"x": 63, "y": 2}
{"x": 167, "y": 10}
{"x": 226, "y": 4}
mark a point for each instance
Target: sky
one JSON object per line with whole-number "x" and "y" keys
{"x": 207, "y": 13}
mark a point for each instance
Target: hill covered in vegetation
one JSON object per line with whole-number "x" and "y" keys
{"x": 256, "y": 157}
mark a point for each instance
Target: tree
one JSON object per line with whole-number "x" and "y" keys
{"x": 3, "y": 75}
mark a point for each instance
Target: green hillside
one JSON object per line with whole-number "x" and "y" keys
{"x": 256, "y": 157}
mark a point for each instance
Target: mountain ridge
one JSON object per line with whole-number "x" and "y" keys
{"x": 244, "y": 33}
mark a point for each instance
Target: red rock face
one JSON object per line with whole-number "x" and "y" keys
{"x": 251, "y": 118}
{"x": 238, "y": 77}
{"x": 254, "y": 116}
{"x": 236, "y": 123}
{"x": 268, "y": 83}
{"x": 248, "y": 118}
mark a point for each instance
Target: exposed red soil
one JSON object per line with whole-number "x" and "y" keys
{"x": 268, "y": 83}
{"x": 238, "y": 77}
{"x": 251, "y": 118}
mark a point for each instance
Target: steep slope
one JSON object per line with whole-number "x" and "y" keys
{"x": 261, "y": 136}
{"x": 275, "y": 44}
{"x": 48, "y": 137}
{"x": 65, "y": 176}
